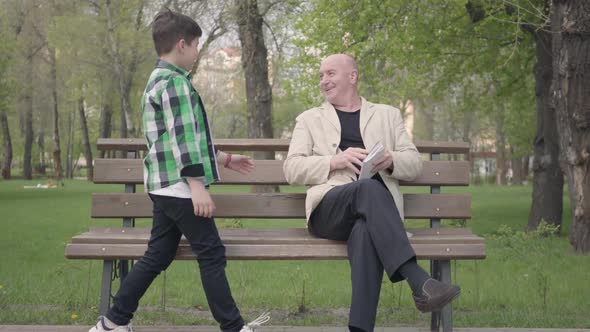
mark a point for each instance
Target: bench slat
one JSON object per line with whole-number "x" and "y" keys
{"x": 130, "y": 171}
{"x": 271, "y": 251}
{"x": 120, "y": 235}
{"x": 277, "y": 205}
{"x": 269, "y": 144}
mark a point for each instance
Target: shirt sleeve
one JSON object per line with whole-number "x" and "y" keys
{"x": 181, "y": 123}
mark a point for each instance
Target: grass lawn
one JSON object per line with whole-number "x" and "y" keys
{"x": 524, "y": 282}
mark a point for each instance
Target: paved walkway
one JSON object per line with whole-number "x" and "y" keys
{"x": 74, "y": 328}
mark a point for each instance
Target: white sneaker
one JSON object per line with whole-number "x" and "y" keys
{"x": 263, "y": 318}
{"x": 102, "y": 326}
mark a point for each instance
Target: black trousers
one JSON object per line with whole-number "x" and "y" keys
{"x": 174, "y": 217}
{"x": 364, "y": 214}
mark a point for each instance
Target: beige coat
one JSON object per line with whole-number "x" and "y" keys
{"x": 316, "y": 138}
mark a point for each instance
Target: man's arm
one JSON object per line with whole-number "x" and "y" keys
{"x": 407, "y": 162}
{"x": 301, "y": 167}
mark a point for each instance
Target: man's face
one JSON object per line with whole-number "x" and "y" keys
{"x": 337, "y": 80}
{"x": 190, "y": 53}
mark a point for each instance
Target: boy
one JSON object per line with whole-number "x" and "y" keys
{"x": 180, "y": 164}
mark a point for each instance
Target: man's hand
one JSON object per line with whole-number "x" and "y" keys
{"x": 385, "y": 162}
{"x": 241, "y": 164}
{"x": 202, "y": 203}
{"x": 348, "y": 159}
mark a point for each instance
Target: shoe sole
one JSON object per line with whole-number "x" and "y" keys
{"x": 453, "y": 295}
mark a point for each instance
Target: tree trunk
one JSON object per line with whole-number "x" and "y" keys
{"x": 255, "y": 65}
{"x": 570, "y": 22}
{"x": 56, "y": 152}
{"x": 7, "y": 155}
{"x": 28, "y": 118}
{"x": 547, "y": 195}
{"x": 525, "y": 168}
{"x": 40, "y": 169}
{"x": 516, "y": 164}
{"x": 85, "y": 140}
{"x": 127, "y": 127}
{"x": 70, "y": 146}
{"x": 106, "y": 115}
{"x": 500, "y": 147}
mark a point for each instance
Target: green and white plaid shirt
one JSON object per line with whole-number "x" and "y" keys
{"x": 176, "y": 128}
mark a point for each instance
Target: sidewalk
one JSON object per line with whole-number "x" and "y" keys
{"x": 78, "y": 328}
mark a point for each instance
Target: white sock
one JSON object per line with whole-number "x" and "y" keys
{"x": 109, "y": 324}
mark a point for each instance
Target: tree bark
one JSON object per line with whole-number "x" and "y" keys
{"x": 7, "y": 155}
{"x": 85, "y": 140}
{"x": 28, "y": 118}
{"x": 255, "y": 65}
{"x": 547, "y": 195}
{"x": 570, "y": 22}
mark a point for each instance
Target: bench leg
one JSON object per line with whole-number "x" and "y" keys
{"x": 105, "y": 289}
{"x": 435, "y": 315}
{"x": 441, "y": 270}
{"x": 123, "y": 269}
{"x": 447, "y": 311}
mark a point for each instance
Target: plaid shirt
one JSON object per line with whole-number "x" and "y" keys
{"x": 176, "y": 128}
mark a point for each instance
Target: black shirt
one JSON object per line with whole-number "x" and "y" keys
{"x": 350, "y": 134}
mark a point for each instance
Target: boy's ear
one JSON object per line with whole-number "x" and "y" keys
{"x": 180, "y": 45}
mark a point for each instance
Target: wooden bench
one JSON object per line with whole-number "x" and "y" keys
{"x": 117, "y": 245}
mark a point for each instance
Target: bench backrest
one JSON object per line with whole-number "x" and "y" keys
{"x": 129, "y": 205}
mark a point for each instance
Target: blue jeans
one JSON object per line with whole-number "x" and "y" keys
{"x": 172, "y": 218}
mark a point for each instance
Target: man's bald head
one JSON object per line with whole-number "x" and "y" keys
{"x": 338, "y": 78}
{"x": 345, "y": 60}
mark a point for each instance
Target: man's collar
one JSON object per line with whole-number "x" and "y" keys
{"x": 329, "y": 112}
{"x": 166, "y": 65}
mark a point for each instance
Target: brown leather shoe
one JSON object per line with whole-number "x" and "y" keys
{"x": 435, "y": 295}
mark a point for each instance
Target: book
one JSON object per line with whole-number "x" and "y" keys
{"x": 375, "y": 154}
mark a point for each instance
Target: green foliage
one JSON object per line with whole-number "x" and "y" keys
{"x": 531, "y": 248}
{"x": 432, "y": 53}
{"x": 7, "y": 45}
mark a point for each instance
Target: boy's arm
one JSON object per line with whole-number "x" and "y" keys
{"x": 202, "y": 203}
{"x": 236, "y": 162}
{"x": 183, "y": 128}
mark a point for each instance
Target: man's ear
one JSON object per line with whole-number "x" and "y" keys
{"x": 354, "y": 76}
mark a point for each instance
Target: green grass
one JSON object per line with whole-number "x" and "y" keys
{"x": 40, "y": 286}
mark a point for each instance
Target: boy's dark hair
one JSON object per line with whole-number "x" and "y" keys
{"x": 169, "y": 27}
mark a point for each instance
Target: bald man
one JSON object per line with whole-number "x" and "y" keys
{"x": 328, "y": 146}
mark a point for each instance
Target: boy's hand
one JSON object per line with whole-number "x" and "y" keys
{"x": 241, "y": 164}
{"x": 202, "y": 203}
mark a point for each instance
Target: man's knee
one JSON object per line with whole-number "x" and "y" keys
{"x": 368, "y": 184}
{"x": 370, "y": 188}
